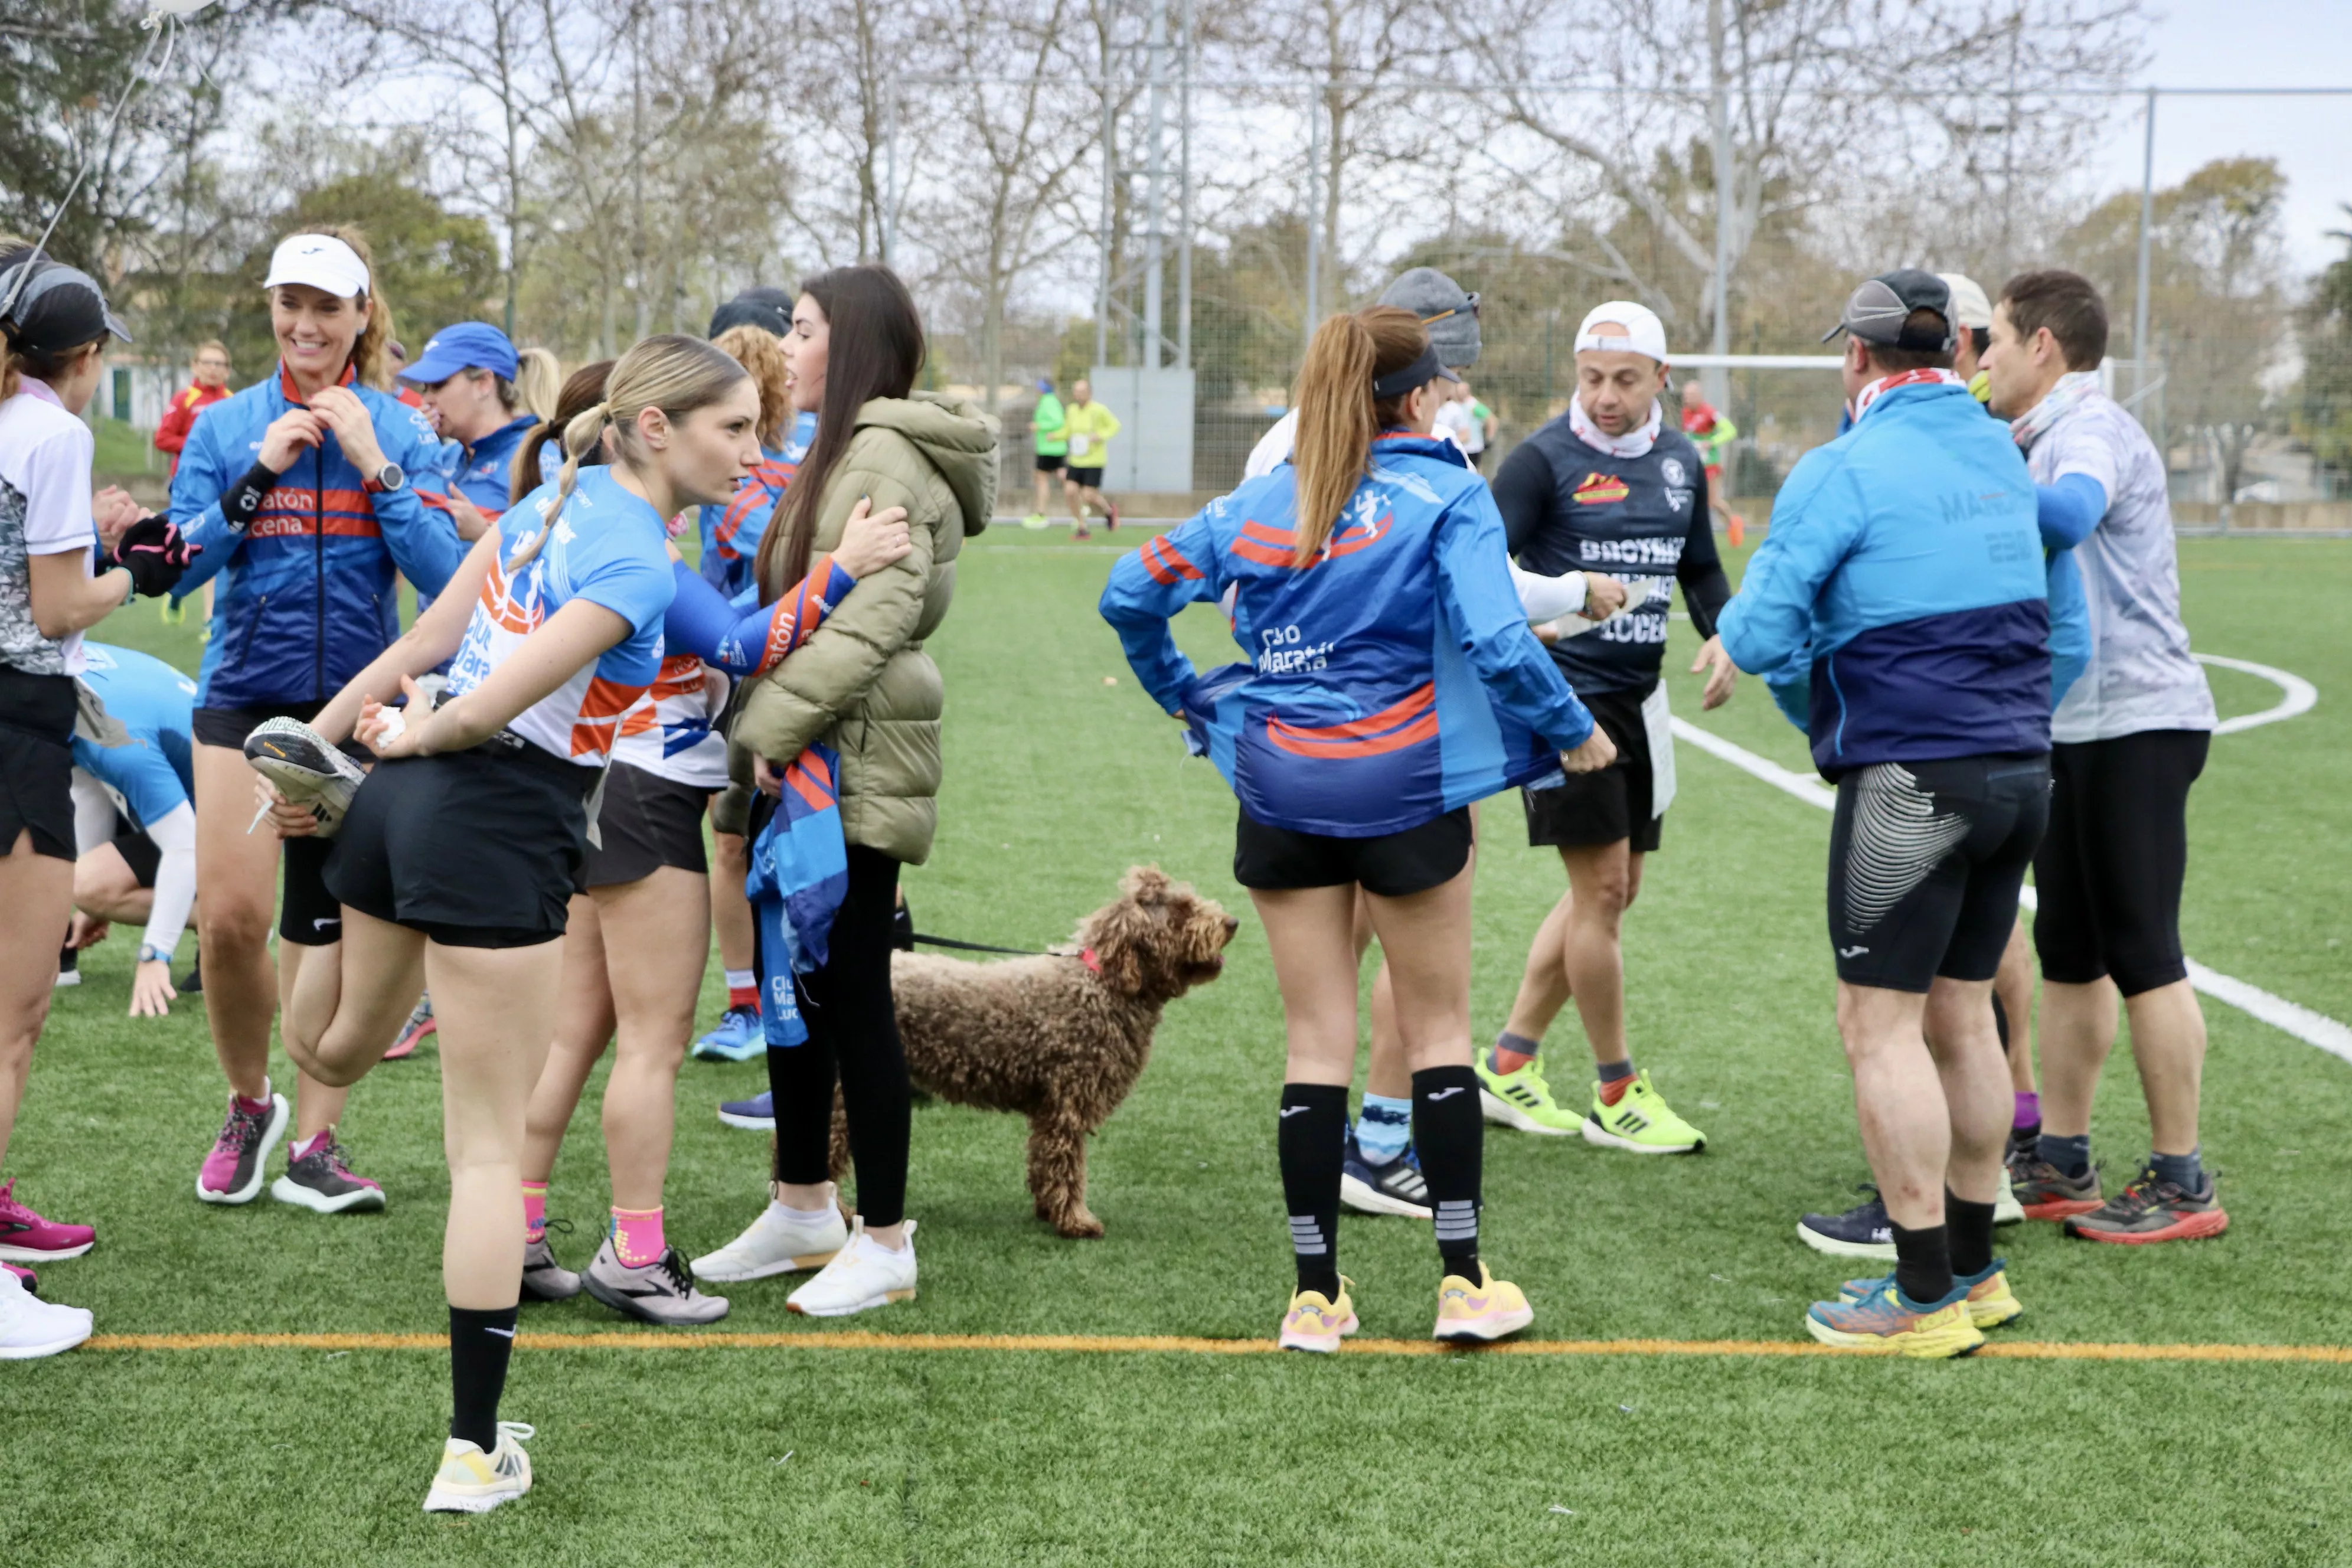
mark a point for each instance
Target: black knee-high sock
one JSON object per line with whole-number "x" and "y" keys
{"x": 1969, "y": 1227}
{"x": 1311, "y": 1139}
{"x": 480, "y": 1343}
{"x": 1449, "y": 1131}
{"x": 1922, "y": 1262}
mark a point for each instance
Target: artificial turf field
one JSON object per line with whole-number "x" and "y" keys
{"x": 661, "y": 1451}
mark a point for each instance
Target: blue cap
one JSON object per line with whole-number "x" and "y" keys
{"x": 469, "y": 345}
{"x": 1045, "y": 386}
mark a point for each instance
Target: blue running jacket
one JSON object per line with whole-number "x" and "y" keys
{"x": 1394, "y": 679}
{"x": 1904, "y": 572}
{"x": 307, "y": 597}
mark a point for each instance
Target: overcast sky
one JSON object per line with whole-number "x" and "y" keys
{"x": 2253, "y": 43}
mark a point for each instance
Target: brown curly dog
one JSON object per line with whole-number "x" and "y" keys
{"x": 1058, "y": 1039}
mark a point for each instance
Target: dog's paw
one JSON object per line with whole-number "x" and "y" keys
{"x": 1079, "y": 1226}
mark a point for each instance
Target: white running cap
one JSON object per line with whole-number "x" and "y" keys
{"x": 1644, "y": 333}
{"x": 319, "y": 261}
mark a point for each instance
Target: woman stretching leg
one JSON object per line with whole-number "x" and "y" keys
{"x": 554, "y": 621}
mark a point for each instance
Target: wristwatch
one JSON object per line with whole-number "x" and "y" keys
{"x": 391, "y": 477}
{"x": 150, "y": 954}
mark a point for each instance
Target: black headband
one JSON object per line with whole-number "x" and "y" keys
{"x": 1420, "y": 373}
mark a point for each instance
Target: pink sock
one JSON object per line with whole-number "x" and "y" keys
{"x": 534, "y": 1211}
{"x": 261, "y": 1105}
{"x": 637, "y": 1236}
{"x": 297, "y": 1150}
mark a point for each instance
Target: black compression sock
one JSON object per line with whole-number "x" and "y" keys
{"x": 1970, "y": 1227}
{"x": 1311, "y": 1141}
{"x": 1449, "y": 1134}
{"x": 1922, "y": 1263}
{"x": 480, "y": 1343}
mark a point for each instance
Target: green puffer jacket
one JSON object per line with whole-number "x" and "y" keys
{"x": 863, "y": 684}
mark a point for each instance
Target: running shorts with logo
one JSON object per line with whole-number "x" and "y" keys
{"x": 1926, "y": 861}
{"x": 2110, "y": 869}
{"x": 1607, "y": 804}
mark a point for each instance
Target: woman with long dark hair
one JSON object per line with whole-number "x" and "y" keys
{"x": 863, "y": 686}
{"x": 1393, "y": 681}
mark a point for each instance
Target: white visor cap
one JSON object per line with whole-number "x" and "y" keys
{"x": 1644, "y": 333}
{"x": 320, "y": 261}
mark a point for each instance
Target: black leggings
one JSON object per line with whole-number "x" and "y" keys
{"x": 2110, "y": 869}
{"x": 852, "y": 1031}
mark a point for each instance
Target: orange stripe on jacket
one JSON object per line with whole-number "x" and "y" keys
{"x": 1166, "y": 563}
{"x": 601, "y": 707}
{"x": 1404, "y": 723}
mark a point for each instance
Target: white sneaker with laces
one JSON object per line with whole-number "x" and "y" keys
{"x": 781, "y": 1241}
{"x": 865, "y": 1275}
{"x": 31, "y": 1327}
{"x": 470, "y": 1481}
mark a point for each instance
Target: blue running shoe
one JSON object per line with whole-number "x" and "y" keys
{"x": 1396, "y": 1187}
{"x": 1863, "y": 1231}
{"x": 738, "y": 1038}
{"x": 757, "y": 1114}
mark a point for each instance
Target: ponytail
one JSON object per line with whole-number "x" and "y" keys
{"x": 536, "y": 387}
{"x": 675, "y": 373}
{"x": 1339, "y": 417}
{"x": 585, "y": 387}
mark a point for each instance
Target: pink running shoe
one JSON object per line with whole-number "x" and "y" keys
{"x": 27, "y": 1238}
{"x": 415, "y": 1032}
{"x": 25, "y": 1277}
{"x": 232, "y": 1172}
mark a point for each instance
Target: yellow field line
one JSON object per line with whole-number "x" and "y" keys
{"x": 1098, "y": 1345}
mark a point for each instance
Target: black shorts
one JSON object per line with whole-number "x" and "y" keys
{"x": 1926, "y": 861}
{"x": 647, "y": 822}
{"x": 138, "y": 851}
{"x": 1612, "y": 804}
{"x": 1393, "y": 865}
{"x": 1050, "y": 462}
{"x": 474, "y": 849}
{"x": 1085, "y": 478}
{"x": 37, "y": 721}
{"x": 2110, "y": 870}
{"x": 230, "y": 726}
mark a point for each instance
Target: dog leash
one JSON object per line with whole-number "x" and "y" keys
{"x": 975, "y": 946}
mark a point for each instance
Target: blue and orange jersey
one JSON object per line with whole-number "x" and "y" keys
{"x": 1391, "y": 678}
{"x": 608, "y": 546}
{"x": 306, "y": 598}
{"x": 732, "y": 533}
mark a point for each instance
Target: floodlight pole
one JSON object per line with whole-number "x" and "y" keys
{"x": 1109, "y": 178}
{"x": 1185, "y": 196}
{"x": 1719, "y": 382}
{"x": 1155, "y": 174}
{"x": 1314, "y": 241}
{"x": 2146, "y": 224}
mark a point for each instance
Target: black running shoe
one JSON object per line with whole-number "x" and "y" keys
{"x": 1863, "y": 1231}
{"x": 306, "y": 770}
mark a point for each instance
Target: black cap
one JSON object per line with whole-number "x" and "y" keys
{"x": 1878, "y": 309}
{"x": 48, "y": 308}
{"x": 770, "y": 309}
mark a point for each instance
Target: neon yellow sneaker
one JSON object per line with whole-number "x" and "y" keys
{"x": 1314, "y": 1322}
{"x": 1033, "y": 522}
{"x": 1474, "y": 1314}
{"x": 1521, "y": 1100}
{"x": 470, "y": 1481}
{"x": 1642, "y": 1122}
{"x": 1991, "y": 1302}
{"x": 1886, "y": 1323}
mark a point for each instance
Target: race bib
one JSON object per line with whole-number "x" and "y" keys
{"x": 1081, "y": 445}
{"x": 1660, "y": 726}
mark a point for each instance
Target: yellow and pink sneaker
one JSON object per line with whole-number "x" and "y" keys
{"x": 1490, "y": 1309}
{"x": 1315, "y": 1322}
{"x": 1887, "y": 1322}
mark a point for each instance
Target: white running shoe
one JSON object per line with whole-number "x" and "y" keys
{"x": 781, "y": 1241}
{"x": 2006, "y": 1209}
{"x": 306, "y": 769}
{"x": 864, "y": 1275}
{"x": 31, "y": 1327}
{"x": 470, "y": 1481}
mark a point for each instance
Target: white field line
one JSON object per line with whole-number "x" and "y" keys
{"x": 2312, "y": 1028}
{"x": 2300, "y": 697}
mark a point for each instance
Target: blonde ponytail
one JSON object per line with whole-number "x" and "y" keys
{"x": 538, "y": 382}
{"x": 675, "y": 373}
{"x": 1339, "y": 417}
